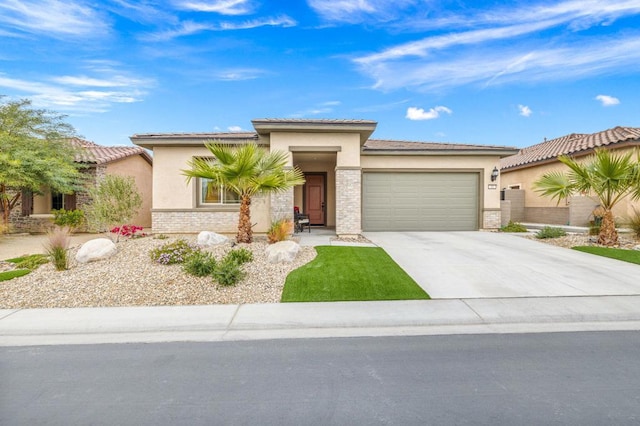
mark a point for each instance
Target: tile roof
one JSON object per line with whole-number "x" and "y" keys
{"x": 217, "y": 135}
{"x": 570, "y": 144}
{"x": 313, "y": 121}
{"x": 92, "y": 153}
{"x": 379, "y": 145}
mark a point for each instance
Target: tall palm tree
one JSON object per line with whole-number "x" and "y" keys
{"x": 608, "y": 176}
{"x": 245, "y": 170}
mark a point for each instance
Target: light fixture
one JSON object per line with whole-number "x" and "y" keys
{"x": 494, "y": 174}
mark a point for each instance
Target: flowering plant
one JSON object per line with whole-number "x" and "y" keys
{"x": 130, "y": 231}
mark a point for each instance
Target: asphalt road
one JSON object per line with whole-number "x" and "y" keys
{"x": 529, "y": 379}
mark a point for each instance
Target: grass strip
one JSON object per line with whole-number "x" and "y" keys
{"x": 14, "y": 273}
{"x": 631, "y": 256}
{"x": 345, "y": 273}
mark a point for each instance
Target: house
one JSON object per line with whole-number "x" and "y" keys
{"x": 33, "y": 211}
{"x": 520, "y": 171}
{"x": 353, "y": 183}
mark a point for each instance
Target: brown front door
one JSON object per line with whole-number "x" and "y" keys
{"x": 314, "y": 204}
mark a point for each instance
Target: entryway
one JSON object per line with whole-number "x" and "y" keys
{"x": 315, "y": 195}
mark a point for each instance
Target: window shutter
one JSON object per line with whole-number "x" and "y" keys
{"x": 70, "y": 201}
{"x": 27, "y": 202}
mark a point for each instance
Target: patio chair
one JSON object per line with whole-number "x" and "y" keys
{"x": 300, "y": 220}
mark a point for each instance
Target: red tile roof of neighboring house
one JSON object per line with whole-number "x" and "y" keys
{"x": 92, "y": 153}
{"x": 573, "y": 144}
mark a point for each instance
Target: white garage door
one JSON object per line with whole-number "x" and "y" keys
{"x": 419, "y": 201}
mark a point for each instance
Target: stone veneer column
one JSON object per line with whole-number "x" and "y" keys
{"x": 491, "y": 218}
{"x": 282, "y": 205}
{"x": 348, "y": 201}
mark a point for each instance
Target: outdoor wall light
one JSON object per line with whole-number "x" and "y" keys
{"x": 494, "y": 174}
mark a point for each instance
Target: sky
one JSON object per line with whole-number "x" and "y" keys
{"x": 505, "y": 73}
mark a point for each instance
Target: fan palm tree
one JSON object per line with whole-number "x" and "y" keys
{"x": 245, "y": 170}
{"x": 608, "y": 176}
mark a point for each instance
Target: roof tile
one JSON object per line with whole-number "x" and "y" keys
{"x": 92, "y": 153}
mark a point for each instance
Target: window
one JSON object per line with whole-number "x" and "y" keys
{"x": 213, "y": 194}
{"x": 57, "y": 201}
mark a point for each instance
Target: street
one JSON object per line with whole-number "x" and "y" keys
{"x": 589, "y": 378}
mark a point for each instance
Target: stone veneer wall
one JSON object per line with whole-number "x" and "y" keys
{"x": 178, "y": 221}
{"x": 282, "y": 205}
{"x": 491, "y": 219}
{"x": 348, "y": 201}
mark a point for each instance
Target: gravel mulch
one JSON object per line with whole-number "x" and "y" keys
{"x": 131, "y": 278}
{"x": 626, "y": 241}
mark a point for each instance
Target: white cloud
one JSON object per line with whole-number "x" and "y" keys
{"x": 607, "y": 100}
{"x": 525, "y": 111}
{"x": 223, "y": 7}
{"x": 235, "y": 129}
{"x": 357, "y": 11}
{"x": 414, "y": 113}
{"x": 55, "y": 18}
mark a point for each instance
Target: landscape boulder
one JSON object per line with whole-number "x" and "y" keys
{"x": 283, "y": 251}
{"x": 208, "y": 238}
{"x": 637, "y": 247}
{"x": 98, "y": 249}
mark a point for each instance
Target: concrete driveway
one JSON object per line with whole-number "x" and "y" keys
{"x": 454, "y": 265}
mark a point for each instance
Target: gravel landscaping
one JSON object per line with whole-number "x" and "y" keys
{"x": 131, "y": 278}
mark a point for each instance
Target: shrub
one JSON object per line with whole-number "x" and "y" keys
{"x": 513, "y": 227}
{"x": 71, "y": 218}
{"x": 279, "y": 230}
{"x": 550, "y": 232}
{"x": 57, "y": 246}
{"x": 114, "y": 200}
{"x": 160, "y": 237}
{"x": 175, "y": 252}
{"x": 200, "y": 264}
{"x": 228, "y": 272}
{"x": 634, "y": 222}
{"x": 131, "y": 231}
{"x": 239, "y": 256}
{"x": 30, "y": 262}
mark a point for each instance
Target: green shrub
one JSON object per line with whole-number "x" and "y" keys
{"x": 30, "y": 262}
{"x": 200, "y": 264}
{"x": 57, "y": 247}
{"x": 513, "y": 227}
{"x": 175, "y": 252}
{"x": 14, "y": 273}
{"x": 634, "y": 222}
{"x": 239, "y": 256}
{"x": 228, "y": 272}
{"x": 71, "y": 218}
{"x": 550, "y": 232}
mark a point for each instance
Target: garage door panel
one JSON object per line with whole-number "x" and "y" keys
{"x": 420, "y": 201}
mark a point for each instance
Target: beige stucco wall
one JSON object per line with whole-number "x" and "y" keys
{"x": 349, "y": 144}
{"x": 141, "y": 171}
{"x": 171, "y": 192}
{"x": 526, "y": 177}
{"x": 490, "y": 197}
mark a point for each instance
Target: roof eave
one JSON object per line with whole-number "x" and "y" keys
{"x": 365, "y": 129}
{"x": 501, "y": 152}
{"x": 168, "y": 140}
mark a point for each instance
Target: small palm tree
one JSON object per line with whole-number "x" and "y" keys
{"x": 609, "y": 177}
{"x": 245, "y": 170}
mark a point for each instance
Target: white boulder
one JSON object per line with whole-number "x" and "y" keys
{"x": 637, "y": 247}
{"x": 98, "y": 249}
{"x": 283, "y": 251}
{"x": 208, "y": 238}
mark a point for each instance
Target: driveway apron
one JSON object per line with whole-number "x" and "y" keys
{"x": 453, "y": 265}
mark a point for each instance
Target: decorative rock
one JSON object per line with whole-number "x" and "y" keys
{"x": 283, "y": 251}
{"x": 98, "y": 249}
{"x": 208, "y": 238}
{"x": 637, "y": 247}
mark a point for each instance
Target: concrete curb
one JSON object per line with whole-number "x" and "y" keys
{"x": 311, "y": 320}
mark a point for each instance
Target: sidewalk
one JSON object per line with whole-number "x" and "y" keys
{"x": 316, "y": 320}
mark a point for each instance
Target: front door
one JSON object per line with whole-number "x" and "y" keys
{"x": 314, "y": 204}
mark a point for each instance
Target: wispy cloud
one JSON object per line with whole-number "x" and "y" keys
{"x": 501, "y": 53}
{"x": 239, "y": 74}
{"x": 524, "y": 110}
{"x": 607, "y": 100}
{"x": 80, "y": 94}
{"x": 414, "y": 113}
{"x": 235, "y": 129}
{"x": 54, "y": 18}
{"x": 223, "y": 7}
{"x": 356, "y": 11}
{"x": 321, "y": 108}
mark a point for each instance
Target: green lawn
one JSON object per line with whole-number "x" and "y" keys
{"x": 632, "y": 256}
{"x": 350, "y": 273}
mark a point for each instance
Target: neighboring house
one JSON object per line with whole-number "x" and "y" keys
{"x": 353, "y": 183}
{"x": 520, "y": 171}
{"x": 33, "y": 211}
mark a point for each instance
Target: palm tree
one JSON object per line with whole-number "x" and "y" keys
{"x": 245, "y": 170}
{"x": 609, "y": 177}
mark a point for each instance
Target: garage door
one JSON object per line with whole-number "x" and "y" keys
{"x": 420, "y": 201}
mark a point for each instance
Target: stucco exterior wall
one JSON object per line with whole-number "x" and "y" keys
{"x": 349, "y": 144}
{"x": 142, "y": 173}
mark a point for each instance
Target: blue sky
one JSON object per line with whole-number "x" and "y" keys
{"x": 483, "y": 72}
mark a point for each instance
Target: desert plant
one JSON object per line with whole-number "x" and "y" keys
{"x": 174, "y": 252}
{"x": 634, "y": 222}
{"x": 239, "y": 256}
{"x": 130, "y": 231}
{"x": 550, "y": 232}
{"x": 115, "y": 200}
{"x": 57, "y": 247}
{"x": 160, "y": 237}
{"x": 30, "y": 262}
{"x": 200, "y": 264}
{"x": 228, "y": 272}
{"x": 71, "y": 218}
{"x": 513, "y": 227}
{"x": 279, "y": 230}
